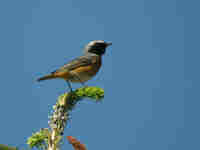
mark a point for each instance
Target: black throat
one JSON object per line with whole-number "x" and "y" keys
{"x": 98, "y": 50}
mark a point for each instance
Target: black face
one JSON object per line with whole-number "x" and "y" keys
{"x": 98, "y": 48}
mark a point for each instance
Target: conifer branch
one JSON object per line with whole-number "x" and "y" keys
{"x": 50, "y": 138}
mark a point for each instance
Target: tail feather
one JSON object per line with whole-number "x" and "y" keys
{"x": 50, "y": 76}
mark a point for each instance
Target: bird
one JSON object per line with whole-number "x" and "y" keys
{"x": 83, "y": 68}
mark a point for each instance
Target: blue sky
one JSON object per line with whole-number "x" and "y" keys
{"x": 150, "y": 74}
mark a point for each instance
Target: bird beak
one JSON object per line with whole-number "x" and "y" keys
{"x": 108, "y": 43}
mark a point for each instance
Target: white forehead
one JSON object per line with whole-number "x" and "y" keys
{"x": 94, "y": 42}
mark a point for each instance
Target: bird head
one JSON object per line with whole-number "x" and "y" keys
{"x": 97, "y": 47}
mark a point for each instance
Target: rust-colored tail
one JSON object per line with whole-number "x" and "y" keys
{"x": 49, "y": 76}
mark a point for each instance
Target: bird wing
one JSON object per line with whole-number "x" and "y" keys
{"x": 76, "y": 63}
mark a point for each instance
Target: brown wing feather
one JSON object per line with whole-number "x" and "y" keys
{"x": 76, "y": 63}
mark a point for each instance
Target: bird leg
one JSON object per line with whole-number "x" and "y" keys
{"x": 78, "y": 78}
{"x": 69, "y": 85}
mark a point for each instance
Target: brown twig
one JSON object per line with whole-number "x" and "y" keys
{"x": 76, "y": 144}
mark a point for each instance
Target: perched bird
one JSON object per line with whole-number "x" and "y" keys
{"x": 82, "y": 68}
